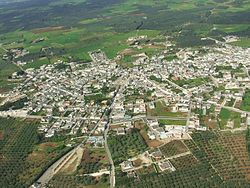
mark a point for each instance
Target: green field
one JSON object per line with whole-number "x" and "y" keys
{"x": 243, "y": 42}
{"x": 172, "y": 122}
{"x": 192, "y": 82}
{"x": 6, "y": 70}
{"x": 162, "y": 110}
{"x": 73, "y": 35}
{"x": 226, "y": 115}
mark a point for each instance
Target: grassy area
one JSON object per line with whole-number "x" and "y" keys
{"x": 192, "y": 82}
{"x": 37, "y": 63}
{"x": 171, "y": 57}
{"x": 231, "y": 28}
{"x": 243, "y": 42}
{"x": 6, "y": 70}
{"x": 172, "y": 122}
{"x": 162, "y": 110}
{"x": 226, "y": 115}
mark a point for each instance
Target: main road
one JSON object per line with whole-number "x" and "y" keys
{"x": 111, "y": 162}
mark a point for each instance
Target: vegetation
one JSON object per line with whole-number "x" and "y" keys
{"x": 93, "y": 161}
{"x": 216, "y": 163}
{"x": 225, "y": 116}
{"x": 14, "y": 105}
{"x": 162, "y": 110}
{"x": 172, "y": 122}
{"x": 123, "y": 147}
{"x": 152, "y": 77}
{"x": 173, "y": 148}
{"x": 184, "y": 161}
{"x": 24, "y": 156}
{"x": 61, "y": 180}
{"x": 6, "y": 70}
{"x": 245, "y": 105}
{"x": 171, "y": 57}
{"x": 192, "y": 82}
{"x": 17, "y": 140}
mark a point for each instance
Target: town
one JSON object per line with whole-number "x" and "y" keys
{"x": 160, "y": 99}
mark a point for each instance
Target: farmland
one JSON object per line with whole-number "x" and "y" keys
{"x": 93, "y": 161}
{"x": 115, "y": 66}
{"x": 72, "y": 35}
{"x": 220, "y": 159}
{"x": 126, "y": 146}
{"x": 6, "y": 69}
{"x": 173, "y": 148}
{"x": 23, "y": 155}
{"x": 18, "y": 140}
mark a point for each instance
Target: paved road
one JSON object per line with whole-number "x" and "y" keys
{"x": 122, "y": 83}
{"x": 189, "y": 113}
{"x": 50, "y": 172}
{"x": 112, "y": 170}
{"x": 167, "y": 118}
{"x": 10, "y": 114}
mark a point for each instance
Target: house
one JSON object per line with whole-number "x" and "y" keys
{"x": 157, "y": 155}
{"x": 151, "y": 135}
{"x": 126, "y": 166}
{"x": 166, "y": 165}
{"x": 120, "y": 131}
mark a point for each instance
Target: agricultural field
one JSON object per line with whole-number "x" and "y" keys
{"x": 73, "y": 35}
{"x": 62, "y": 180}
{"x": 243, "y": 42}
{"x": 17, "y": 141}
{"x": 227, "y": 152}
{"x": 6, "y": 70}
{"x": 218, "y": 160}
{"x": 172, "y": 148}
{"x": 123, "y": 147}
{"x": 184, "y": 161}
{"x": 23, "y": 154}
{"x": 92, "y": 161}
